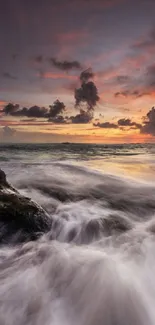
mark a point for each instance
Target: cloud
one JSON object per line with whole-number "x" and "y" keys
{"x": 7, "y": 131}
{"x": 128, "y": 122}
{"x": 51, "y": 75}
{"x": 122, "y": 79}
{"x": 142, "y": 86}
{"x": 81, "y": 118}
{"x": 88, "y": 92}
{"x": 34, "y": 111}
{"x": 10, "y": 109}
{"x": 86, "y": 75}
{"x": 53, "y": 114}
{"x": 106, "y": 125}
{"x": 58, "y": 119}
{"x": 66, "y": 65}
{"x": 149, "y": 123}
{"x": 8, "y": 75}
{"x": 57, "y": 108}
{"x": 124, "y": 122}
{"x": 2, "y": 104}
{"x": 131, "y": 93}
{"x": 20, "y": 112}
{"x": 146, "y": 43}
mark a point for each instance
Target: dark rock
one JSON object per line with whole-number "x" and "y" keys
{"x": 104, "y": 227}
{"x": 3, "y": 181}
{"x": 21, "y": 219}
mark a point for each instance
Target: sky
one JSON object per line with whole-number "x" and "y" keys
{"x": 77, "y": 71}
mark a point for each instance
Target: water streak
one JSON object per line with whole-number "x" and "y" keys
{"x": 96, "y": 265}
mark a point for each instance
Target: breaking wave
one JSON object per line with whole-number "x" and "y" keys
{"x": 97, "y": 263}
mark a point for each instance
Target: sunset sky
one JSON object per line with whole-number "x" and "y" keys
{"x": 46, "y": 45}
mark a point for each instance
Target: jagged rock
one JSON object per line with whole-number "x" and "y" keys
{"x": 21, "y": 219}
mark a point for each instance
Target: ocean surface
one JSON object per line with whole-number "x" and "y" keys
{"x": 97, "y": 264}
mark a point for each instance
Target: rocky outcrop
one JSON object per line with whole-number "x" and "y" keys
{"x": 21, "y": 219}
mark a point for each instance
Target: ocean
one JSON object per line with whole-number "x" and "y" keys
{"x": 96, "y": 266}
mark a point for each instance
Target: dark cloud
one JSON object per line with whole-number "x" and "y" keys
{"x": 86, "y": 75}
{"x": 10, "y": 109}
{"x": 65, "y": 65}
{"x": 88, "y": 92}
{"x": 142, "y": 87}
{"x": 128, "y": 122}
{"x": 120, "y": 124}
{"x": 149, "y": 123}
{"x": 131, "y": 93}
{"x": 124, "y": 93}
{"x": 34, "y": 111}
{"x": 56, "y": 109}
{"x": 122, "y": 79}
{"x": 106, "y": 125}
{"x": 20, "y": 112}
{"x": 81, "y": 118}
{"x": 8, "y": 75}
{"x": 8, "y": 132}
{"x": 60, "y": 119}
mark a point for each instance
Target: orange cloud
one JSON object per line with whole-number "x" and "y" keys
{"x": 2, "y": 103}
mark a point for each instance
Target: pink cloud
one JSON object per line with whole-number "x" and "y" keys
{"x": 51, "y": 75}
{"x": 75, "y": 36}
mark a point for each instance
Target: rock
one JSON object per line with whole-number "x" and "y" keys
{"x": 97, "y": 228}
{"x": 2, "y": 178}
{"x": 21, "y": 219}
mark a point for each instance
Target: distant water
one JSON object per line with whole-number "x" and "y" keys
{"x": 96, "y": 266}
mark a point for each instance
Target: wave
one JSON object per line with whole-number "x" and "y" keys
{"x": 66, "y": 183}
{"x": 96, "y": 265}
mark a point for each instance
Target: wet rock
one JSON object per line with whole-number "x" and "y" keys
{"x": 107, "y": 226}
{"x": 21, "y": 219}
